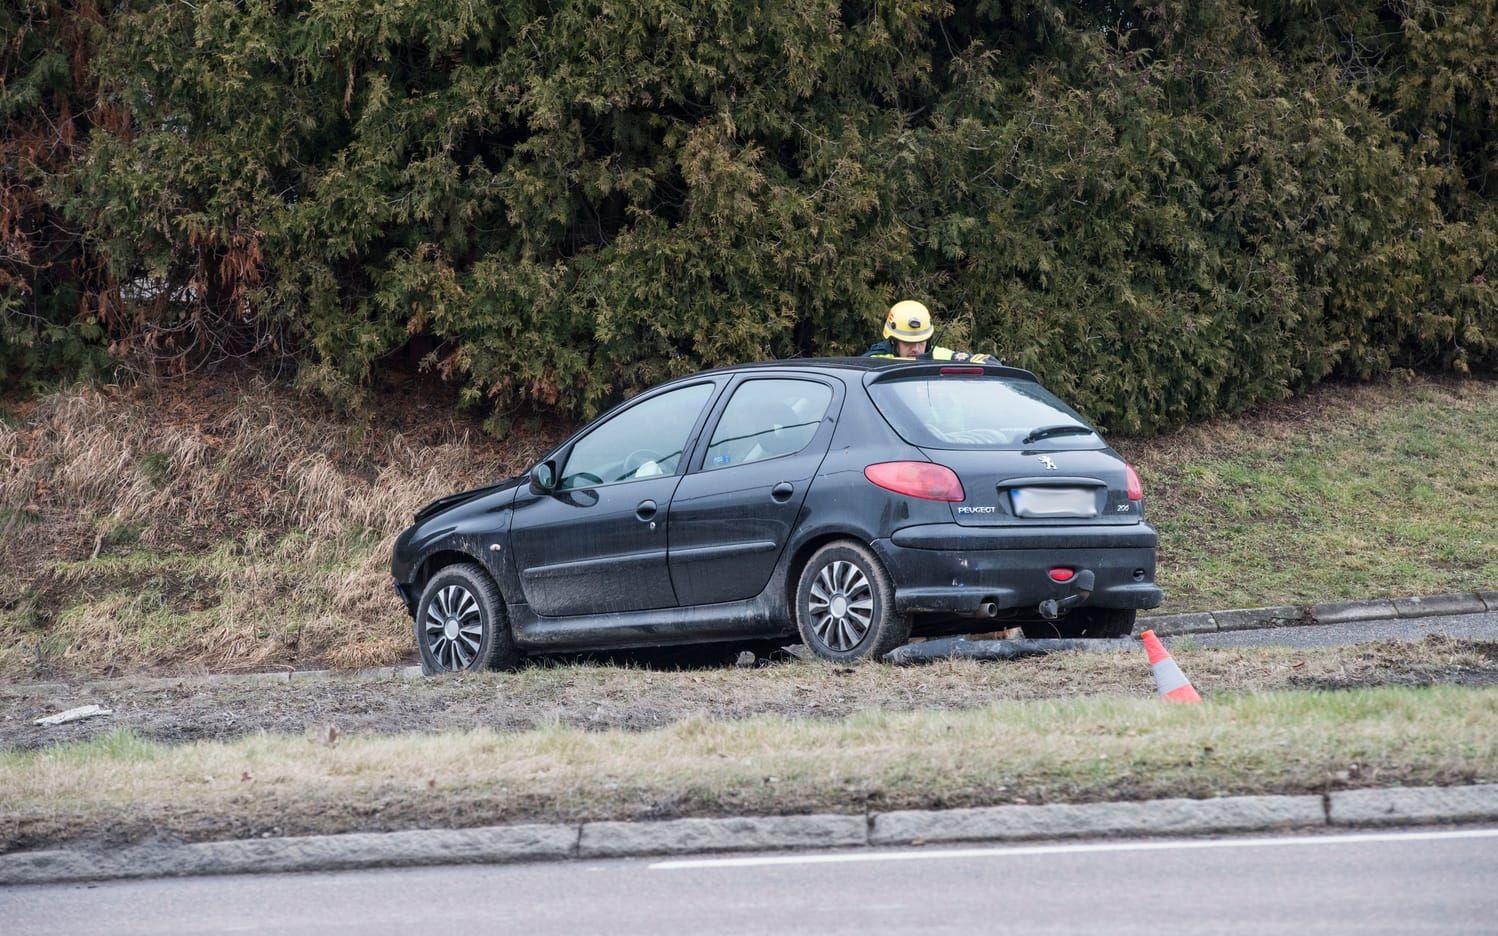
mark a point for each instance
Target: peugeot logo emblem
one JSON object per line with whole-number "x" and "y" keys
{"x": 1046, "y": 460}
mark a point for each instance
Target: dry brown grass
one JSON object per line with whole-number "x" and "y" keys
{"x": 224, "y": 525}
{"x": 254, "y": 455}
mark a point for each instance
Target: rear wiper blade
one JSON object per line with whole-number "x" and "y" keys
{"x": 1045, "y": 432}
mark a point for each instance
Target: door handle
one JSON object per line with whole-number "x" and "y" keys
{"x": 782, "y": 491}
{"x": 645, "y": 509}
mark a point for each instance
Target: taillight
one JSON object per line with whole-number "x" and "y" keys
{"x": 1062, "y": 574}
{"x": 917, "y": 479}
{"x": 1135, "y": 489}
{"x": 948, "y": 371}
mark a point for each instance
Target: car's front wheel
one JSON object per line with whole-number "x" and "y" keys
{"x": 845, "y": 605}
{"x": 461, "y": 623}
{"x": 1085, "y": 623}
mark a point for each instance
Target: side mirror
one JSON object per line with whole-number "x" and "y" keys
{"x": 544, "y": 478}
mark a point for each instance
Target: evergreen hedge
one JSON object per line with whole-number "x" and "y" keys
{"x": 1169, "y": 210}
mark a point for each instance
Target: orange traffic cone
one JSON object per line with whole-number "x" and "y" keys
{"x": 1170, "y": 683}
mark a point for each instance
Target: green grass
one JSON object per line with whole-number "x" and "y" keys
{"x": 1069, "y": 750}
{"x": 1352, "y": 492}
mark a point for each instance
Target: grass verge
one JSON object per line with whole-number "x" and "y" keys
{"x": 1348, "y": 492}
{"x": 120, "y": 787}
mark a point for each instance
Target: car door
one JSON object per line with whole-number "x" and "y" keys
{"x": 733, "y": 513}
{"x": 597, "y": 542}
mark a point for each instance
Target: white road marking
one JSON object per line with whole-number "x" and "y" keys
{"x": 927, "y": 854}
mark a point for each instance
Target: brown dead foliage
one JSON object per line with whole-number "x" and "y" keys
{"x": 253, "y": 521}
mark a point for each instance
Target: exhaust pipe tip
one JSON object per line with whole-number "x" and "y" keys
{"x": 989, "y": 609}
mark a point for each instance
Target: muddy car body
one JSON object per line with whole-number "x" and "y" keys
{"x": 851, "y": 500}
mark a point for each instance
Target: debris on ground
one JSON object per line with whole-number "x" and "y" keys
{"x": 949, "y": 648}
{"x": 74, "y": 714}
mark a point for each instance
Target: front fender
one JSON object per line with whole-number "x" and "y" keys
{"x": 478, "y": 531}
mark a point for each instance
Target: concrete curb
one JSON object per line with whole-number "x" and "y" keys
{"x": 1407, "y": 805}
{"x": 542, "y": 842}
{"x": 1329, "y": 612}
{"x": 493, "y": 845}
{"x": 747, "y": 833}
{"x": 1156, "y": 817}
{"x": 1439, "y": 604}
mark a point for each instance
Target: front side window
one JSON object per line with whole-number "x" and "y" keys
{"x": 644, "y": 441}
{"x": 767, "y": 419}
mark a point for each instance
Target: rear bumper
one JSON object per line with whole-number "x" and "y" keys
{"x": 944, "y": 567}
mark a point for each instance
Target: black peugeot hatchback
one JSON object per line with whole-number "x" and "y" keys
{"x": 856, "y": 501}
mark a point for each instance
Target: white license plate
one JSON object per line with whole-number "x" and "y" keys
{"x": 1054, "y": 502}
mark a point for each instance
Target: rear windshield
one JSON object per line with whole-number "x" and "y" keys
{"x": 958, "y": 412}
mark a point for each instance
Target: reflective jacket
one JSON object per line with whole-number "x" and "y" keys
{"x": 886, "y": 348}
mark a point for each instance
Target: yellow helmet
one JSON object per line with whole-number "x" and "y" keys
{"x": 908, "y": 320}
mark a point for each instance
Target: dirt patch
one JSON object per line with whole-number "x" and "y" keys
{"x": 595, "y": 697}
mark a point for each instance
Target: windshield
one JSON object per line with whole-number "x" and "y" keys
{"x": 955, "y": 412}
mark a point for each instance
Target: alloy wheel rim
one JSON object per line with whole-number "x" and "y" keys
{"x": 454, "y": 627}
{"x": 841, "y": 605}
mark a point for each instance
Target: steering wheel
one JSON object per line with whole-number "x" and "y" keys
{"x": 631, "y": 465}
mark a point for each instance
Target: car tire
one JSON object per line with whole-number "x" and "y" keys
{"x": 845, "y": 605}
{"x": 461, "y": 623}
{"x": 1102, "y": 623}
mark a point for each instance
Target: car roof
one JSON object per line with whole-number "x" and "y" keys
{"x": 867, "y": 365}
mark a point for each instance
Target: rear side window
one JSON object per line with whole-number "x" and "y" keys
{"x": 767, "y": 419}
{"x": 960, "y": 412}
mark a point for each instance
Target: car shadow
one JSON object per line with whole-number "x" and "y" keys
{"x": 674, "y": 659}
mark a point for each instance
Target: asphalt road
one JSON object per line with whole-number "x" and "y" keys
{"x": 1391, "y": 882}
{"x": 1460, "y": 626}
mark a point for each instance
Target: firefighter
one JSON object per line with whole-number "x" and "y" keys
{"x": 907, "y": 333}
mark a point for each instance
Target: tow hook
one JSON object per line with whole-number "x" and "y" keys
{"x": 1082, "y": 582}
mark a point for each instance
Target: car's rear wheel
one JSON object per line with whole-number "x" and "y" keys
{"x": 461, "y": 623}
{"x": 845, "y": 605}
{"x": 1085, "y": 622}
